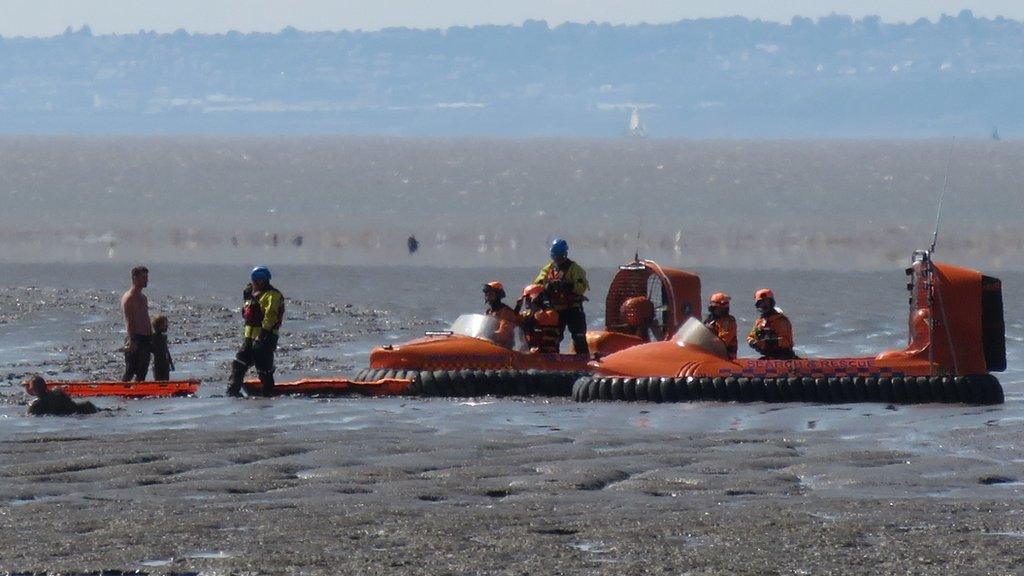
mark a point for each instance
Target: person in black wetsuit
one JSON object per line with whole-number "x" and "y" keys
{"x": 55, "y": 402}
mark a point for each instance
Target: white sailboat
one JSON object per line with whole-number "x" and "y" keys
{"x": 636, "y": 127}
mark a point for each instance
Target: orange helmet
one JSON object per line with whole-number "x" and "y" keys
{"x": 636, "y": 310}
{"x": 533, "y": 290}
{"x": 764, "y": 293}
{"x": 719, "y": 299}
{"x": 495, "y": 286}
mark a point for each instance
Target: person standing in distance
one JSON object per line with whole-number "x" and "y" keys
{"x": 263, "y": 311}
{"x": 137, "y": 346}
{"x": 565, "y": 283}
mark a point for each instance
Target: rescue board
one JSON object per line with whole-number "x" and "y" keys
{"x": 123, "y": 389}
{"x": 336, "y": 387}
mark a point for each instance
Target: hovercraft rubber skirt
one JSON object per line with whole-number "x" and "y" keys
{"x": 975, "y": 389}
{"x": 471, "y": 383}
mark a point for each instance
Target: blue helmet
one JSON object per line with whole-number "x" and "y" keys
{"x": 559, "y": 247}
{"x": 260, "y": 273}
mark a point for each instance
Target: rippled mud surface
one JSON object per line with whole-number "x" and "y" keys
{"x": 512, "y": 487}
{"x": 484, "y": 486}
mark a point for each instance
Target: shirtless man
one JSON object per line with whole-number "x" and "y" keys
{"x": 137, "y": 348}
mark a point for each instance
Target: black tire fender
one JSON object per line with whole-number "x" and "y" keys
{"x": 641, "y": 389}
{"x": 860, "y": 387}
{"x": 899, "y": 390}
{"x": 707, "y": 389}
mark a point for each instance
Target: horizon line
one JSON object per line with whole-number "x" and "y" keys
{"x": 86, "y": 29}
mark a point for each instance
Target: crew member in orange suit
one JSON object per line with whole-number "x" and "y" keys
{"x": 772, "y": 334}
{"x": 505, "y": 335}
{"x": 721, "y": 322}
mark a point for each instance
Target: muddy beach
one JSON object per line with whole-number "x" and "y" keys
{"x": 484, "y": 486}
{"x": 513, "y": 487}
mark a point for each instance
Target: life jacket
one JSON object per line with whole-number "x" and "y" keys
{"x": 253, "y": 312}
{"x": 499, "y": 311}
{"x": 561, "y": 282}
{"x": 777, "y": 323}
{"x": 280, "y": 312}
{"x": 507, "y": 318}
{"x": 725, "y": 329}
{"x": 541, "y": 331}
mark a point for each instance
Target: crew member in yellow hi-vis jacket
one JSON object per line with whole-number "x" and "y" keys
{"x": 565, "y": 283}
{"x": 263, "y": 311}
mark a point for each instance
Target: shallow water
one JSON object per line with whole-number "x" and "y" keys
{"x": 354, "y": 200}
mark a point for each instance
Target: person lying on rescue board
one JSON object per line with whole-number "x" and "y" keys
{"x": 772, "y": 334}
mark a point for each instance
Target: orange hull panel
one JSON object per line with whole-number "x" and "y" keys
{"x": 670, "y": 359}
{"x": 465, "y": 353}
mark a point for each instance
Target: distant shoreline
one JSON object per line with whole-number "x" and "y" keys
{"x": 834, "y": 76}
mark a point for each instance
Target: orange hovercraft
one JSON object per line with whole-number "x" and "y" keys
{"x": 645, "y": 302}
{"x": 957, "y": 338}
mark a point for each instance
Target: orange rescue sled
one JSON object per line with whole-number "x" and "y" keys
{"x": 124, "y": 389}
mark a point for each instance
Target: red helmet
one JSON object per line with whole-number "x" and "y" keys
{"x": 719, "y": 299}
{"x": 636, "y": 310}
{"x": 533, "y": 290}
{"x": 495, "y": 286}
{"x": 764, "y": 293}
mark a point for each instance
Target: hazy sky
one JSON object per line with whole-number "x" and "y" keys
{"x": 48, "y": 17}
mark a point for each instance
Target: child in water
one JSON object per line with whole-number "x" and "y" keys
{"x": 163, "y": 365}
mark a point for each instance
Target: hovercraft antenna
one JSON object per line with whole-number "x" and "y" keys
{"x": 942, "y": 194}
{"x": 930, "y": 272}
{"x": 639, "y": 228}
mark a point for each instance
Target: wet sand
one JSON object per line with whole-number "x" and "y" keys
{"x": 513, "y": 487}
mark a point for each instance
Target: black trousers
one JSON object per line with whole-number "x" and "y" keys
{"x": 161, "y": 367}
{"x": 254, "y": 353}
{"x": 576, "y": 321}
{"x": 137, "y": 351}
